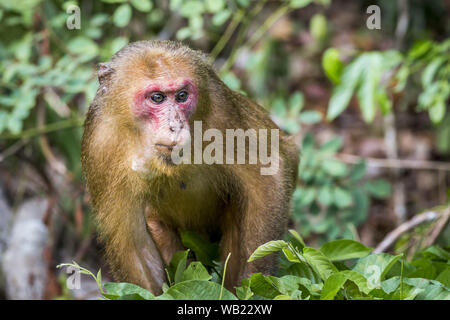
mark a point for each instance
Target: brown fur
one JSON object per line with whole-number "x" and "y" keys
{"x": 139, "y": 219}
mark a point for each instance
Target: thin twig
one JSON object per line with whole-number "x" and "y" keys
{"x": 404, "y": 227}
{"x": 396, "y": 163}
{"x": 440, "y": 225}
{"x": 55, "y": 126}
{"x": 237, "y": 18}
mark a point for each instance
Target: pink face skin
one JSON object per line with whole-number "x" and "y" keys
{"x": 146, "y": 108}
{"x": 164, "y": 124}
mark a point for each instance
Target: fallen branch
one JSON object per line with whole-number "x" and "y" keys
{"x": 411, "y": 224}
{"x": 396, "y": 163}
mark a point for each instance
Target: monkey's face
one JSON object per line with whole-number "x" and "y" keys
{"x": 162, "y": 108}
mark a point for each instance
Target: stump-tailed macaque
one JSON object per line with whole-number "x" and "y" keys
{"x": 160, "y": 98}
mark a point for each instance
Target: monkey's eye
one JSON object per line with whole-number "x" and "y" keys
{"x": 181, "y": 96}
{"x": 157, "y": 97}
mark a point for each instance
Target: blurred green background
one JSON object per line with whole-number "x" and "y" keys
{"x": 368, "y": 105}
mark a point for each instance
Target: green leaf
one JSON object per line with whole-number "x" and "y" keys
{"x": 344, "y": 249}
{"x": 221, "y": 17}
{"x": 375, "y": 266}
{"x": 82, "y": 45}
{"x": 332, "y": 65}
{"x": 204, "y": 251}
{"x": 318, "y": 26}
{"x": 214, "y": 6}
{"x": 122, "y": 15}
{"x": 142, "y": 5}
{"x": 310, "y": 117}
{"x": 358, "y": 171}
{"x": 368, "y": 88}
{"x": 378, "y": 188}
{"x": 244, "y": 292}
{"x": 321, "y": 264}
{"x": 119, "y": 290}
{"x": 184, "y": 33}
{"x": 343, "y": 92}
{"x": 342, "y": 198}
{"x": 444, "y": 277}
{"x": 195, "y": 271}
{"x": 331, "y": 146}
{"x": 437, "y": 111}
{"x": 325, "y": 195}
{"x": 296, "y": 102}
{"x": 296, "y": 4}
{"x": 261, "y": 285}
{"x": 297, "y": 237}
{"x": 332, "y": 285}
{"x": 303, "y": 270}
{"x": 196, "y": 290}
{"x": 191, "y": 7}
{"x": 267, "y": 248}
{"x": 177, "y": 266}
{"x": 334, "y": 167}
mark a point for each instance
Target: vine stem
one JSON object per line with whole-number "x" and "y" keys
{"x": 237, "y": 18}
{"x": 55, "y": 126}
{"x": 270, "y": 21}
{"x": 224, "y": 273}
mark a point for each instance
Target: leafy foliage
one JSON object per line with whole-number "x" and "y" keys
{"x": 332, "y": 196}
{"x": 339, "y": 270}
{"x": 369, "y": 74}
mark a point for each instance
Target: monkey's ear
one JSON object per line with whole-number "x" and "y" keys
{"x": 104, "y": 72}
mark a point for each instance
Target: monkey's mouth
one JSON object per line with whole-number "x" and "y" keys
{"x": 164, "y": 148}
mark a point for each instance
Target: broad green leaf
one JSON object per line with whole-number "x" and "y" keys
{"x": 244, "y": 292}
{"x": 267, "y": 248}
{"x": 142, "y": 5}
{"x": 358, "y": 171}
{"x": 343, "y": 92}
{"x": 261, "y": 286}
{"x": 299, "y": 3}
{"x": 325, "y": 195}
{"x": 367, "y": 89}
{"x": 444, "y": 277}
{"x": 378, "y": 188}
{"x": 322, "y": 265}
{"x": 332, "y": 285}
{"x": 437, "y": 111}
{"x": 204, "y": 251}
{"x": 191, "y": 7}
{"x": 318, "y": 26}
{"x": 297, "y": 237}
{"x": 304, "y": 271}
{"x": 214, "y": 6}
{"x": 310, "y": 117}
{"x": 430, "y": 71}
{"x": 375, "y": 266}
{"x": 331, "y": 146}
{"x": 177, "y": 266}
{"x": 342, "y": 198}
{"x": 344, "y": 249}
{"x": 435, "y": 252}
{"x": 117, "y": 290}
{"x": 195, "y": 271}
{"x": 334, "y": 167}
{"x": 122, "y": 15}
{"x": 196, "y": 290}
{"x": 221, "y": 17}
{"x": 296, "y": 102}
{"x": 332, "y": 65}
